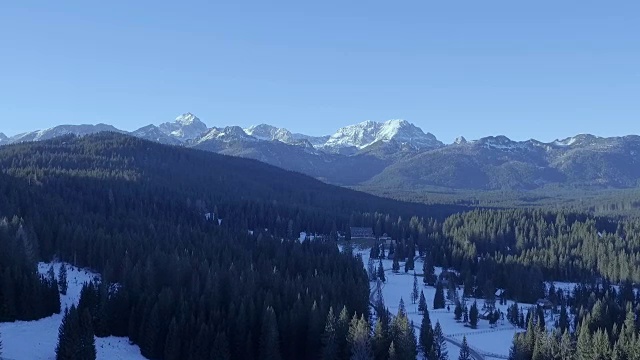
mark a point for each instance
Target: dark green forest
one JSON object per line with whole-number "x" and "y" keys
{"x": 199, "y": 257}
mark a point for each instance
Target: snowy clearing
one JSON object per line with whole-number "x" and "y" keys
{"x": 37, "y": 340}
{"x": 490, "y": 342}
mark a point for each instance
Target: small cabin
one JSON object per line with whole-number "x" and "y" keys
{"x": 545, "y": 304}
{"x": 362, "y": 233}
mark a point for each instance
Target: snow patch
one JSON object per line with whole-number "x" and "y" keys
{"x": 37, "y": 340}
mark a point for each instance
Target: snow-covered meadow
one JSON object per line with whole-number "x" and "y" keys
{"x": 489, "y": 342}
{"x": 37, "y": 340}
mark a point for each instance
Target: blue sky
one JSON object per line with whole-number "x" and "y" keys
{"x": 541, "y": 69}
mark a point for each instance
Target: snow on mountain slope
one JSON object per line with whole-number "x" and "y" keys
{"x": 79, "y": 130}
{"x": 185, "y": 127}
{"x": 153, "y": 133}
{"x": 37, "y": 340}
{"x": 269, "y": 133}
{"x": 227, "y": 134}
{"x": 366, "y": 133}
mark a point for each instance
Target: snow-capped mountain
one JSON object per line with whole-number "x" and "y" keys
{"x": 270, "y": 133}
{"x": 366, "y": 133}
{"x": 186, "y": 127}
{"x": 79, "y": 130}
{"x": 227, "y": 134}
{"x": 153, "y": 133}
{"x": 396, "y": 154}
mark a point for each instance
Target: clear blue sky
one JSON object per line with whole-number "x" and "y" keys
{"x": 541, "y": 69}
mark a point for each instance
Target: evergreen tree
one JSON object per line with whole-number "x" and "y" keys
{"x": 381, "y": 272}
{"x": 342, "y": 331}
{"x": 563, "y": 320}
{"x": 380, "y": 341}
{"x": 426, "y": 334}
{"x": 439, "y": 343}
{"x": 62, "y": 279}
{"x": 473, "y": 315}
{"x": 329, "y": 338}
{"x": 438, "y": 300}
{"x": 465, "y": 353}
{"x": 172, "y": 346}
{"x": 220, "y": 349}
{"x": 395, "y": 267}
{"x": 414, "y": 293}
{"x": 422, "y": 303}
{"x": 75, "y": 336}
{"x": 269, "y": 336}
{"x": 371, "y": 270}
{"x": 393, "y": 355}
{"x": 359, "y": 339}
{"x": 457, "y": 312}
{"x": 428, "y": 270}
{"x": 87, "y": 337}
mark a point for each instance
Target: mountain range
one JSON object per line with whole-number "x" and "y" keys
{"x": 396, "y": 154}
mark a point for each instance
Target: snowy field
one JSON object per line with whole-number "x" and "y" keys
{"x": 37, "y": 340}
{"x": 490, "y": 342}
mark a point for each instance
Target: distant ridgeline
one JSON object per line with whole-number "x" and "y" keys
{"x": 135, "y": 210}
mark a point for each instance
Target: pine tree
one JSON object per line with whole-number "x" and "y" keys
{"x": 584, "y": 347}
{"x": 359, "y": 339}
{"x": 380, "y": 341}
{"x": 438, "y": 299}
{"x": 395, "y": 266}
{"x": 172, "y": 345}
{"x": 465, "y": 353}
{"x": 75, "y": 336}
{"x": 87, "y": 337}
{"x": 426, "y": 334}
{"x": 342, "y": 331}
{"x": 381, "y": 272}
{"x": 422, "y": 303}
{"x": 414, "y": 292}
{"x": 269, "y": 336}
{"x": 62, "y": 279}
{"x": 439, "y": 343}
{"x": 402, "y": 310}
{"x": 371, "y": 270}
{"x": 329, "y": 340}
{"x": 457, "y": 312}
{"x": 563, "y": 321}
{"x": 473, "y": 315}
{"x": 428, "y": 271}
{"x": 220, "y": 349}
{"x": 393, "y": 355}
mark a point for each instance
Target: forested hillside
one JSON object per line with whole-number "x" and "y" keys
{"x": 202, "y": 247}
{"x": 194, "y": 240}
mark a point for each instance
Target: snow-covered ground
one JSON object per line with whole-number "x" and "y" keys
{"x": 37, "y": 340}
{"x": 483, "y": 339}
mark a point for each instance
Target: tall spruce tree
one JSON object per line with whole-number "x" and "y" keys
{"x": 393, "y": 355}
{"x": 473, "y": 315}
{"x": 438, "y": 299}
{"x": 269, "y": 336}
{"x": 62, "y": 279}
{"x": 414, "y": 292}
{"x": 439, "y": 343}
{"x": 465, "y": 353}
{"x": 360, "y": 339}
{"x": 75, "y": 336}
{"x": 329, "y": 337}
{"x": 426, "y": 335}
{"x": 422, "y": 303}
